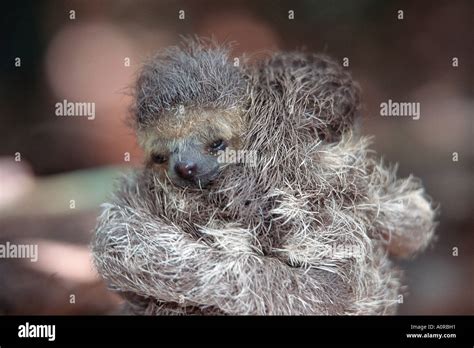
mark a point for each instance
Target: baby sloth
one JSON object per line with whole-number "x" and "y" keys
{"x": 308, "y": 227}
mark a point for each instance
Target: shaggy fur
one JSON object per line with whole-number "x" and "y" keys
{"x": 308, "y": 230}
{"x": 190, "y": 76}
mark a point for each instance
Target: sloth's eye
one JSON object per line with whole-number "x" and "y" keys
{"x": 218, "y": 145}
{"x": 158, "y": 159}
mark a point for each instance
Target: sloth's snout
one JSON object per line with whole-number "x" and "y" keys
{"x": 186, "y": 170}
{"x": 192, "y": 168}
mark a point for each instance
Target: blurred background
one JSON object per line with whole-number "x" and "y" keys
{"x": 56, "y": 171}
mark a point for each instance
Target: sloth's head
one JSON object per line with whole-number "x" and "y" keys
{"x": 189, "y": 104}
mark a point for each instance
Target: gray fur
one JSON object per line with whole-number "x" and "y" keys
{"x": 256, "y": 241}
{"x": 197, "y": 74}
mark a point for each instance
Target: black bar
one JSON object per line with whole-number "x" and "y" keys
{"x": 139, "y": 331}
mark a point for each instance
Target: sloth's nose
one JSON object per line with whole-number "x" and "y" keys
{"x": 186, "y": 170}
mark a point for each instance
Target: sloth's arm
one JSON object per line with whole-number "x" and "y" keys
{"x": 137, "y": 252}
{"x": 404, "y": 217}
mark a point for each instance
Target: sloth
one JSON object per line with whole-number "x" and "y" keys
{"x": 311, "y": 225}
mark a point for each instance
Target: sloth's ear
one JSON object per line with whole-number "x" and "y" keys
{"x": 309, "y": 91}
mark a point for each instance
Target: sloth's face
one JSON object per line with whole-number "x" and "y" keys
{"x": 186, "y": 148}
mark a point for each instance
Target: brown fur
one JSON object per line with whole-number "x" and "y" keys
{"x": 307, "y": 230}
